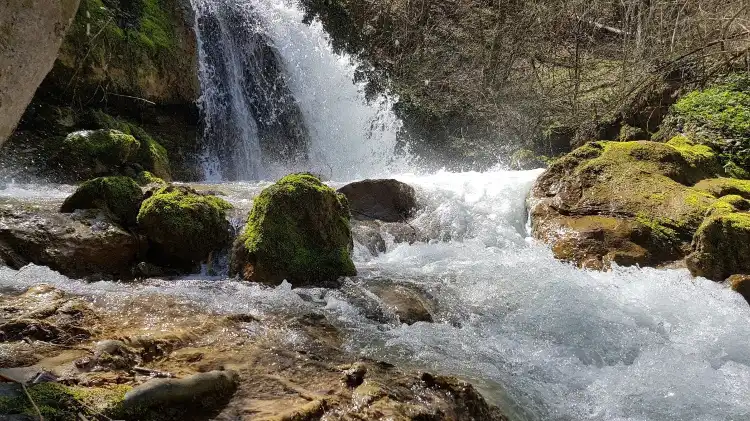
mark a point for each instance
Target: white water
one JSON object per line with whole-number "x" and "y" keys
{"x": 550, "y": 340}
{"x": 545, "y": 340}
{"x": 349, "y": 138}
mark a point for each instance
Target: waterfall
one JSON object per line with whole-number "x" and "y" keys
{"x": 276, "y": 98}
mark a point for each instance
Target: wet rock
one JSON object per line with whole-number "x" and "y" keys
{"x": 741, "y": 285}
{"x": 183, "y": 226}
{"x": 367, "y": 233}
{"x": 196, "y": 390}
{"x": 119, "y": 197}
{"x": 722, "y": 243}
{"x": 90, "y": 153}
{"x": 623, "y": 202}
{"x": 32, "y": 33}
{"x": 405, "y": 302}
{"x": 297, "y": 231}
{"x": 84, "y": 244}
{"x": 385, "y": 200}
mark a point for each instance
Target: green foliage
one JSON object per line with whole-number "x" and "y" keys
{"x": 184, "y": 225}
{"x": 720, "y": 118}
{"x": 298, "y": 230}
{"x": 120, "y": 196}
{"x": 716, "y": 109}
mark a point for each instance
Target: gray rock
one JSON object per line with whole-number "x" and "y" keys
{"x": 384, "y": 200}
{"x": 193, "y": 389}
{"x": 32, "y": 31}
{"x": 77, "y": 245}
{"x": 406, "y": 302}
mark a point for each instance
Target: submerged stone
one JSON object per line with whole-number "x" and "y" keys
{"x": 183, "y": 226}
{"x": 119, "y": 196}
{"x": 199, "y": 390}
{"x": 298, "y": 231}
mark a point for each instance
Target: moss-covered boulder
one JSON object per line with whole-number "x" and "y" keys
{"x": 89, "y": 153}
{"x": 147, "y": 178}
{"x": 151, "y": 155}
{"x": 183, "y": 226}
{"x": 119, "y": 196}
{"x": 722, "y": 243}
{"x": 298, "y": 231}
{"x": 623, "y": 202}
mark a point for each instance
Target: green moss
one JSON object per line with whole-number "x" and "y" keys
{"x": 660, "y": 229}
{"x": 120, "y": 196}
{"x": 718, "y": 109}
{"x": 98, "y": 151}
{"x": 525, "y": 159}
{"x": 185, "y": 226}
{"x": 698, "y": 155}
{"x": 719, "y": 187}
{"x": 56, "y": 402}
{"x": 144, "y": 178}
{"x": 298, "y": 230}
{"x": 720, "y": 118}
{"x": 151, "y": 154}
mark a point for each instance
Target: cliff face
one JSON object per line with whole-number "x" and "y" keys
{"x": 118, "y": 49}
{"x": 31, "y": 32}
{"x": 129, "y": 65}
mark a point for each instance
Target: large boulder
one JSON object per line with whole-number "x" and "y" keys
{"x": 722, "y": 243}
{"x": 32, "y": 31}
{"x": 89, "y": 153}
{"x": 183, "y": 226}
{"x": 385, "y": 200}
{"x": 120, "y": 197}
{"x": 623, "y": 202}
{"x": 85, "y": 244}
{"x": 298, "y": 231}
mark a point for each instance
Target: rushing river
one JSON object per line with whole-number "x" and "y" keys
{"x": 550, "y": 340}
{"x": 539, "y": 337}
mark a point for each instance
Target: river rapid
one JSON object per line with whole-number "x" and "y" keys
{"x": 546, "y": 339}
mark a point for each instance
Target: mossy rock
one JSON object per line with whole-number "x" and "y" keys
{"x": 151, "y": 155}
{"x": 722, "y": 186}
{"x": 298, "y": 231}
{"x": 183, "y": 226}
{"x": 97, "y": 152}
{"x": 719, "y": 117}
{"x": 61, "y": 403}
{"x": 623, "y": 202}
{"x": 147, "y": 178}
{"x": 119, "y": 196}
{"x": 722, "y": 243}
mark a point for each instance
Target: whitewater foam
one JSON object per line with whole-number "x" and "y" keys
{"x": 549, "y": 340}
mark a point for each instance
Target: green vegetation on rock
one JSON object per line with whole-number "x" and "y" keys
{"x": 183, "y": 226}
{"x": 151, "y": 154}
{"x": 298, "y": 230}
{"x": 93, "y": 152}
{"x": 719, "y": 117}
{"x": 61, "y": 403}
{"x": 119, "y": 196}
{"x": 144, "y": 178}
{"x": 722, "y": 243}
{"x": 642, "y": 190}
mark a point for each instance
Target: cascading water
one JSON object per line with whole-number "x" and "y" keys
{"x": 272, "y": 82}
{"x": 552, "y": 341}
{"x": 544, "y": 339}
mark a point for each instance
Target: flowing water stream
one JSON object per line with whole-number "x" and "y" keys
{"x": 542, "y": 338}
